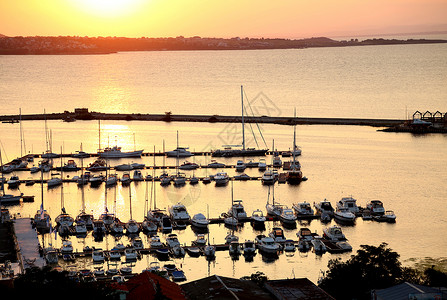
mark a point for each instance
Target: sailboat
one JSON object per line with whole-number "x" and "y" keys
{"x": 230, "y": 152}
{"x": 107, "y": 217}
{"x": 294, "y": 175}
{"x": 6, "y": 198}
{"x": 165, "y": 179}
{"x": 64, "y": 221}
{"x": 179, "y": 179}
{"x": 42, "y": 219}
{"x": 132, "y": 227}
{"x": 84, "y": 221}
{"x": 149, "y": 225}
{"x": 273, "y": 209}
{"x": 231, "y": 220}
{"x": 48, "y": 140}
{"x": 116, "y": 227}
{"x": 115, "y": 151}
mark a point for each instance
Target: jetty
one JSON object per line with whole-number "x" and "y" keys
{"x": 27, "y": 245}
{"x": 85, "y": 114}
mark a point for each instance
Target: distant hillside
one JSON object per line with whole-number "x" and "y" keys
{"x": 2, "y": 35}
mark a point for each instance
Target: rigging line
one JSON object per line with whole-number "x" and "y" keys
{"x": 259, "y": 129}
{"x": 253, "y": 133}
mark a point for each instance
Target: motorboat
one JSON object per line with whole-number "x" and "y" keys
{"x": 344, "y": 214}
{"x": 107, "y": 218}
{"x": 324, "y": 207}
{"x": 231, "y": 221}
{"x": 240, "y": 166}
{"x": 215, "y": 165}
{"x": 53, "y": 182}
{"x": 178, "y": 275}
{"x": 230, "y": 238}
{"x": 289, "y": 246}
{"x": 179, "y": 224}
{"x": 96, "y": 180}
{"x": 249, "y": 248}
{"x": 258, "y": 238}
{"x": 137, "y": 176}
{"x": 80, "y": 228}
{"x": 200, "y": 241}
{"x": 7, "y": 199}
{"x": 125, "y": 179}
{"x": 99, "y": 272}
{"x": 349, "y": 203}
{"x": 303, "y": 245}
{"x": 206, "y": 180}
{"x": 258, "y": 218}
{"x": 115, "y": 152}
{"x": 137, "y": 243}
{"x": 98, "y": 227}
{"x": 45, "y": 165}
{"x": 98, "y": 256}
{"x": 376, "y": 207}
{"x": 277, "y": 234}
{"x": 237, "y": 210}
{"x": 303, "y": 210}
{"x": 193, "y": 180}
{"x": 172, "y": 240}
{"x": 49, "y": 154}
{"x": 34, "y": 170}
{"x": 111, "y": 180}
{"x": 115, "y": 254}
{"x": 305, "y": 234}
{"x": 42, "y": 220}
{"x": 252, "y": 164}
{"x": 318, "y": 245}
{"x": 268, "y": 245}
{"x": 51, "y": 255}
{"x": 188, "y": 166}
{"x": 132, "y": 227}
{"x": 80, "y": 154}
{"x": 268, "y": 178}
{"x": 123, "y": 167}
{"x": 262, "y": 165}
{"x": 165, "y": 224}
{"x": 126, "y": 270}
{"x": 234, "y": 248}
{"x": 200, "y": 221}
{"x": 193, "y": 251}
{"x": 178, "y": 212}
{"x": 277, "y": 163}
{"x": 179, "y": 152}
{"x": 155, "y": 215}
{"x": 83, "y": 179}
{"x": 154, "y": 267}
{"x": 149, "y": 225}
{"x": 131, "y": 254}
{"x": 155, "y": 242}
{"x": 221, "y": 179}
{"x": 242, "y": 176}
{"x": 334, "y": 233}
{"x": 67, "y": 247}
{"x": 98, "y": 165}
{"x": 137, "y": 166}
{"x": 70, "y": 166}
{"x": 388, "y": 216}
{"x": 233, "y": 152}
{"x": 209, "y": 251}
{"x": 178, "y": 251}
{"x": 344, "y": 245}
{"x": 287, "y": 216}
{"x": 64, "y": 219}
{"x": 165, "y": 179}
{"x": 179, "y": 179}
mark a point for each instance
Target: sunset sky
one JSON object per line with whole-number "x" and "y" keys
{"x": 229, "y": 18}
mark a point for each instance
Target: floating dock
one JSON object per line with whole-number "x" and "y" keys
{"x": 28, "y": 245}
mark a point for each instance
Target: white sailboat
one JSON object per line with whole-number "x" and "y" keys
{"x": 294, "y": 175}
{"x": 273, "y": 209}
{"x": 149, "y": 225}
{"x": 42, "y": 220}
{"x": 132, "y": 227}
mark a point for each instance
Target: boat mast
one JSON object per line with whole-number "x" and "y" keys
{"x": 99, "y": 134}
{"x": 243, "y": 129}
{"x": 153, "y": 181}
{"x": 1, "y": 167}
{"x": 105, "y": 192}
{"x": 130, "y": 202}
{"x": 21, "y": 134}
{"x": 177, "y": 157}
{"x": 62, "y": 186}
{"x": 294, "y": 139}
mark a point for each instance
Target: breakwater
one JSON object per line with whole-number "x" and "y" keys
{"x": 84, "y": 114}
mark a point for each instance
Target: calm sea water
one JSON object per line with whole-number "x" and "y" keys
{"x": 406, "y": 172}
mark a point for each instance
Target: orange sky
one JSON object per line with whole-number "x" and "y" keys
{"x": 213, "y": 18}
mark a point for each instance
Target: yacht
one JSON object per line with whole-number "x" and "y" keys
{"x": 178, "y": 212}
{"x": 303, "y": 210}
{"x": 155, "y": 242}
{"x": 137, "y": 176}
{"x": 188, "y": 166}
{"x": 67, "y": 247}
{"x": 375, "y": 207}
{"x": 277, "y": 163}
{"x": 165, "y": 224}
{"x": 240, "y": 166}
{"x": 221, "y": 179}
{"x": 132, "y": 227}
{"x": 149, "y": 225}
{"x": 172, "y": 240}
{"x": 210, "y": 251}
{"x": 123, "y": 167}
{"x": 98, "y": 256}
{"x": 234, "y": 248}
{"x": 179, "y": 179}
{"x": 214, "y": 164}
{"x": 70, "y": 166}
{"x": 115, "y": 152}
{"x": 249, "y": 248}
{"x": 305, "y": 234}
{"x": 231, "y": 221}
{"x": 53, "y": 182}
{"x": 258, "y": 218}
{"x": 324, "y": 207}
{"x": 262, "y": 165}
{"x": 111, "y": 180}
{"x": 199, "y": 221}
{"x": 334, "y": 233}
{"x": 277, "y": 234}
{"x": 80, "y": 228}
{"x": 268, "y": 245}
{"x": 116, "y": 228}
{"x": 96, "y": 180}
{"x": 125, "y": 179}
{"x": 349, "y": 203}
{"x": 200, "y": 241}
{"x": 237, "y": 210}
{"x": 86, "y": 218}
{"x": 98, "y": 165}
{"x": 343, "y": 214}
{"x": 98, "y": 227}
{"x": 268, "y": 178}
{"x": 179, "y": 152}
{"x": 131, "y": 254}
{"x": 287, "y": 216}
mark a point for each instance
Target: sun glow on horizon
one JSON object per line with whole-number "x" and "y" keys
{"x": 108, "y": 8}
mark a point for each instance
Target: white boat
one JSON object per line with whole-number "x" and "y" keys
{"x": 318, "y": 245}
{"x": 188, "y": 166}
{"x": 96, "y": 180}
{"x": 80, "y": 228}
{"x": 221, "y": 179}
{"x": 51, "y": 255}
{"x": 70, "y": 166}
{"x": 131, "y": 254}
{"x": 137, "y": 243}
{"x": 179, "y": 179}
{"x": 343, "y": 245}
{"x": 234, "y": 248}
{"x": 149, "y": 225}
{"x": 277, "y": 234}
{"x": 289, "y": 246}
{"x": 287, "y": 216}
{"x": 240, "y": 166}
{"x": 376, "y": 207}
{"x": 179, "y": 152}
{"x": 53, "y": 182}
{"x": 242, "y": 176}
{"x": 172, "y": 240}
{"x": 277, "y": 163}
{"x": 231, "y": 221}
{"x": 249, "y": 248}
{"x": 231, "y": 237}
{"x": 200, "y": 221}
{"x": 303, "y": 245}
{"x": 107, "y": 218}
{"x": 115, "y": 152}
{"x": 303, "y": 210}
{"x": 49, "y": 154}
{"x": 200, "y": 241}
{"x": 262, "y": 165}
{"x": 165, "y": 224}
{"x": 214, "y": 164}
{"x": 389, "y": 217}
{"x": 98, "y": 256}
{"x": 334, "y": 233}
{"x": 324, "y": 207}
{"x": 237, "y": 210}
{"x": 258, "y": 218}
{"x": 125, "y": 179}
{"x": 64, "y": 219}
{"x": 116, "y": 228}
{"x": 178, "y": 212}
{"x": 343, "y": 214}
{"x": 305, "y": 234}
{"x": 67, "y": 247}
{"x": 80, "y": 154}
{"x": 137, "y": 176}
{"x": 274, "y": 208}
{"x": 7, "y": 199}
{"x": 111, "y": 180}
{"x": 209, "y": 251}
{"x": 123, "y": 167}
{"x": 268, "y": 178}
{"x": 268, "y": 245}
{"x": 349, "y": 203}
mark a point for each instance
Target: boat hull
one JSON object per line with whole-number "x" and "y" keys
{"x": 113, "y": 154}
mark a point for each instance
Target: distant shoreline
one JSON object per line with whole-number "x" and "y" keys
{"x": 107, "y": 45}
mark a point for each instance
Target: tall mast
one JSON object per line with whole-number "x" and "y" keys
{"x": 99, "y": 135}
{"x": 105, "y": 192}
{"x": 62, "y": 185}
{"x": 294, "y": 137}
{"x": 243, "y": 129}
{"x": 21, "y": 135}
{"x": 1, "y": 167}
